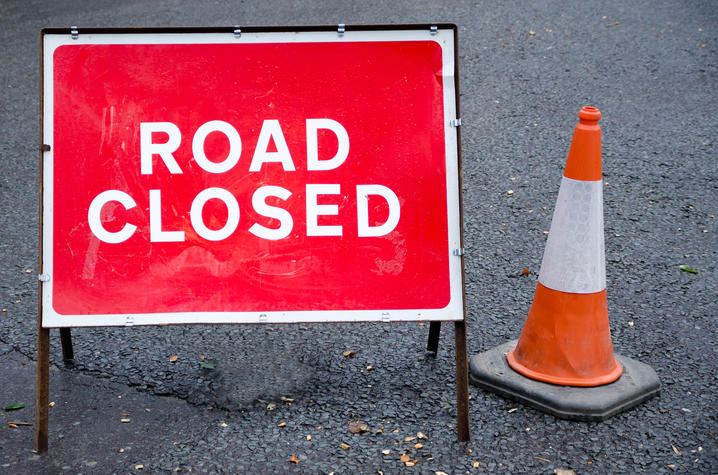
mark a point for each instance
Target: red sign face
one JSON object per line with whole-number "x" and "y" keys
{"x": 249, "y": 177}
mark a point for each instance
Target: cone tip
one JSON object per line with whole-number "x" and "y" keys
{"x": 589, "y": 114}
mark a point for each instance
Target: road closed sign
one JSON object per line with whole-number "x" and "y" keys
{"x": 244, "y": 176}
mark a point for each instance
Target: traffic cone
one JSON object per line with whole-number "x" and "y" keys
{"x": 563, "y": 362}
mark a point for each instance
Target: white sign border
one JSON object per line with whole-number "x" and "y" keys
{"x": 444, "y": 36}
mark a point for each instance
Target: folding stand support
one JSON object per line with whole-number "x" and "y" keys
{"x": 462, "y": 373}
{"x": 68, "y": 355}
{"x": 432, "y": 346}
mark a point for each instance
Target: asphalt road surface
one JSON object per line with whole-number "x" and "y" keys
{"x": 276, "y": 399}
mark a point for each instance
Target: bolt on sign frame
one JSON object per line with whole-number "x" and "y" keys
{"x": 250, "y": 175}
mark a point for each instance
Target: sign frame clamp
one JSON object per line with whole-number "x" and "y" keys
{"x": 64, "y": 303}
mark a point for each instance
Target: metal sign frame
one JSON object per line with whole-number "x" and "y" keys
{"x": 445, "y": 34}
{"x": 442, "y": 36}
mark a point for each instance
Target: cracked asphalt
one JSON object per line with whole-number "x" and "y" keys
{"x": 248, "y": 398}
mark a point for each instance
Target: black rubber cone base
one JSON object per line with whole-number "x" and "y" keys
{"x": 638, "y": 383}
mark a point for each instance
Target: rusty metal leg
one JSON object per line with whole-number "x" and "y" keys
{"x": 462, "y": 382}
{"x": 42, "y": 389}
{"x": 68, "y": 355}
{"x": 432, "y": 346}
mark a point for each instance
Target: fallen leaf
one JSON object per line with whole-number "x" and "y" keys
{"x": 678, "y": 452}
{"x": 224, "y": 424}
{"x": 513, "y": 409}
{"x": 404, "y": 458}
{"x": 282, "y": 424}
{"x": 344, "y": 446}
{"x": 349, "y": 353}
{"x": 173, "y": 358}
{"x": 685, "y": 268}
{"x": 563, "y": 471}
{"x": 271, "y": 406}
{"x": 52, "y": 404}
{"x": 12, "y": 425}
{"x": 476, "y": 464}
{"x": 386, "y": 452}
{"x": 287, "y": 399}
{"x": 543, "y": 459}
{"x": 369, "y": 368}
{"x": 410, "y": 464}
{"x": 409, "y": 439}
{"x": 525, "y": 272}
{"x": 121, "y": 450}
{"x": 13, "y": 407}
{"x": 418, "y": 446}
{"x": 125, "y": 420}
{"x": 20, "y": 423}
{"x": 139, "y": 467}
{"x": 510, "y": 192}
{"x": 293, "y": 458}
{"x": 440, "y": 473}
{"x": 421, "y": 435}
{"x": 357, "y": 427}
{"x": 309, "y": 437}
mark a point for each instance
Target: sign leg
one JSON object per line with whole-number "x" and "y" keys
{"x": 68, "y": 354}
{"x": 432, "y": 346}
{"x": 462, "y": 382}
{"x": 42, "y": 389}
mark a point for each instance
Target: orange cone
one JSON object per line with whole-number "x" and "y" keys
{"x": 563, "y": 363}
{"x": 566, "y": 338}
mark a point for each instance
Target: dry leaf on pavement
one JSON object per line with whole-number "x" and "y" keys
{"x": 357, "y": 427}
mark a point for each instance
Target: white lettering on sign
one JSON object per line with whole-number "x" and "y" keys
{"x": 235, "y": 146}
{"x": 260, "y": 206}
{"x": 318, "y": 199}
{"x": 232, "y": 214}
{"x": 156, "y": 232}
{"x": 313, "y": 162}
{"x": 164, "y": 150}
{"x": 314, "y": 210}
{"x": 95, "y": 221}
{"x": 363, "y": 192}
{"x": 271, "y": 130}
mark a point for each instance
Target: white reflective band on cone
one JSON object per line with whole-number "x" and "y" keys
{"x": 574, "y": 259}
